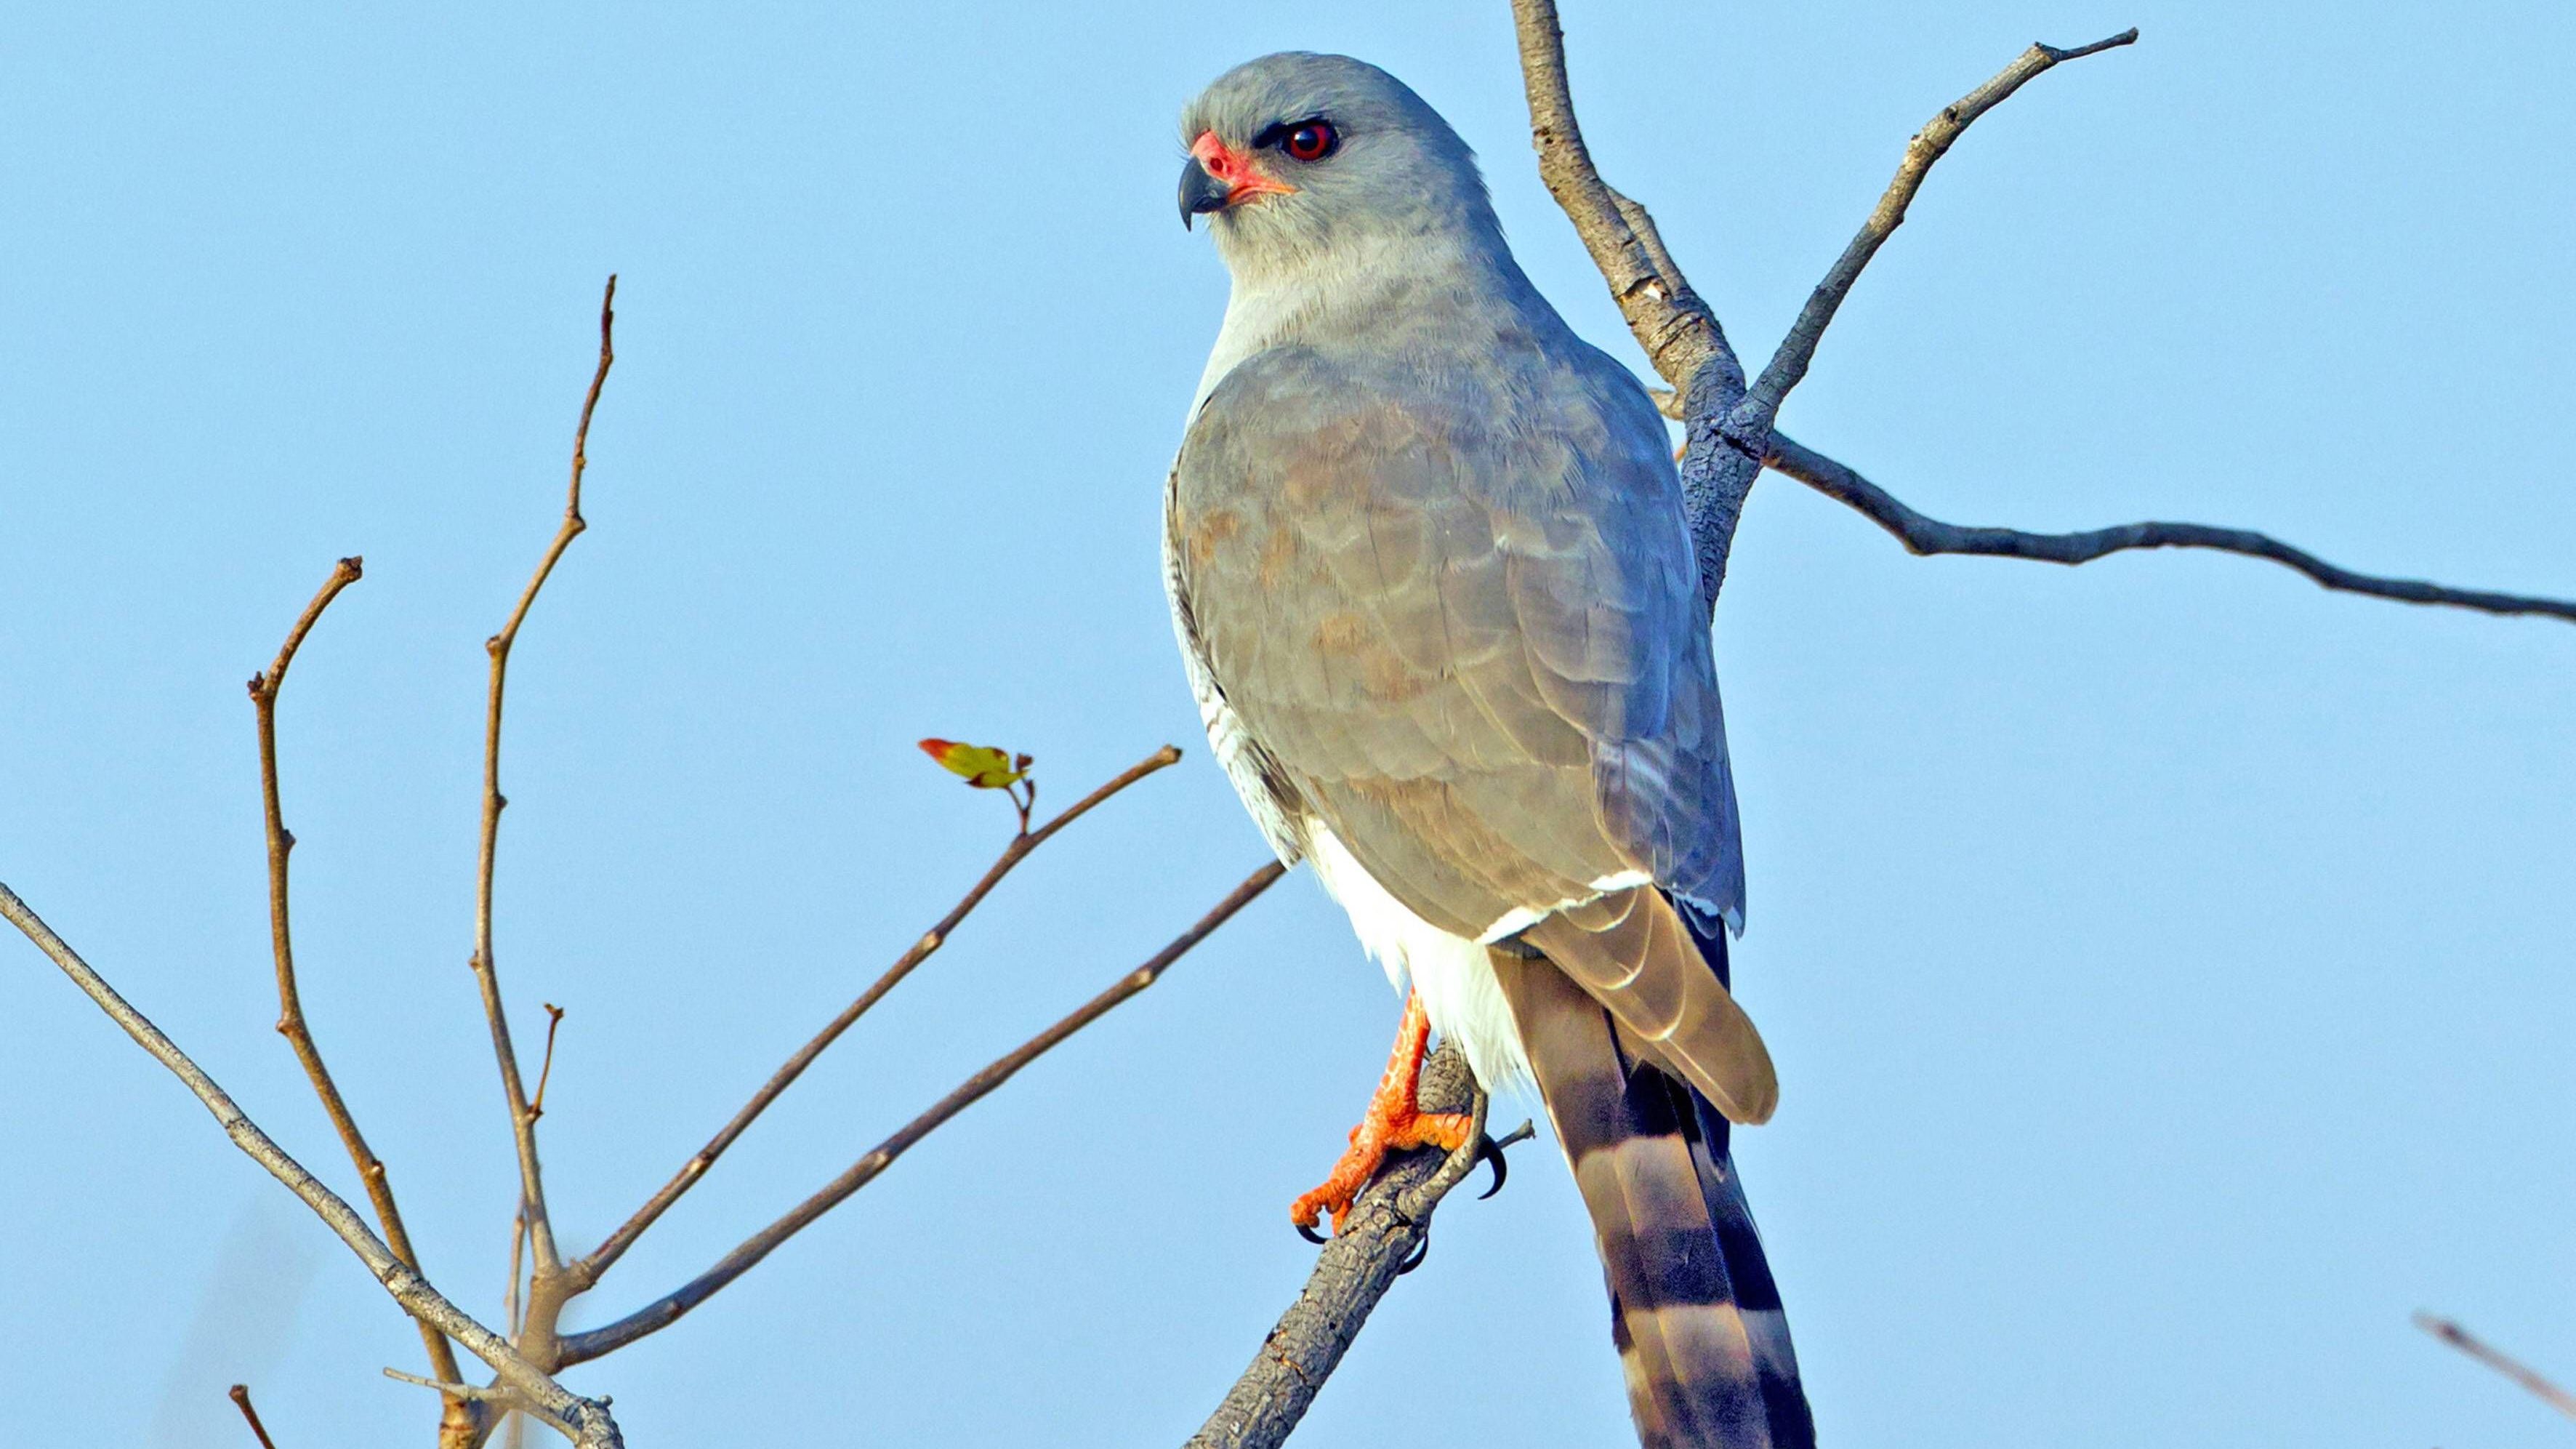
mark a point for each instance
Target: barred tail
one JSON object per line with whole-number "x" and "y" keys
{"x": 1693, "y": 1309}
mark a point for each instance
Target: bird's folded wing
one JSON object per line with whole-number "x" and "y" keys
{"x": 1457, "y": 608}
{"x": 1630, "y": 951}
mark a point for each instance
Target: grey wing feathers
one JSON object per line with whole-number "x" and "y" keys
{"x": 1630, "y": 951}
{"x": 1457, "y": 607}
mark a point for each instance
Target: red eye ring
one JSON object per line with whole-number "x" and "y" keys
{"x": 1311, "y": 141}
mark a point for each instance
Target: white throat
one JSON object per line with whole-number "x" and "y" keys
{"x": 1278, "y": 302}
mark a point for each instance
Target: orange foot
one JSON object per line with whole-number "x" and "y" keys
{"x": 1395, "y": 1121}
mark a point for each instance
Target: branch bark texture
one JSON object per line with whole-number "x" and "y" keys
{"x": 1385, "y": 1237}
{"x": 1678, "y": 331}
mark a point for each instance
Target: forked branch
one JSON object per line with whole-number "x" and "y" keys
{"x": 1789, "y": 363}
{"x": 664, "y": 1311}
{"x": 585, "y": 1421}
{"x": 1679, "y": 331}
{"x": 1730, "y": 428}
{"x": 264, "y": 688}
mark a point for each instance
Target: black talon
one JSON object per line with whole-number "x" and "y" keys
{"x": 1421, "y": 1251}
{"x": 1310, "y": 1235}
{"x": 1488, "y": 1150}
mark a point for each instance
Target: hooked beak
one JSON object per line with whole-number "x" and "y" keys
{"x": 1200, "y": 192}
{"x": 1219, "y": 176}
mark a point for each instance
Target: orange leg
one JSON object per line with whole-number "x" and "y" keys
{"x": 1394, "y": 1121}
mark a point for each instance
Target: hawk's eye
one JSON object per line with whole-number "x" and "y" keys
{"x": 1311, "y": 140}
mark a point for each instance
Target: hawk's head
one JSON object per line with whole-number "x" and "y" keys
{"x": 1294, "y": 155}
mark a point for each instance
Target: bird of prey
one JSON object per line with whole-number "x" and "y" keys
{"x": 1435, "y": 592}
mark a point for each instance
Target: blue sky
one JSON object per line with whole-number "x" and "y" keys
{"x": 2166, "y": 960}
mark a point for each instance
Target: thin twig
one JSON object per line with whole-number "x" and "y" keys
{"x": 2468, "y": 1343}
{"x": 498, "y": 1399}
{"x": 661, "y": 1313}
{"x": 1922, "y": 535}
{"x": 1383, "y": 1238}
{"x": 241, "y": 1401}
{"x": 474, "y": 1392}
{"x": 585, "y": 1421}
{"x": 532, "y": 1190}
{"x": 588, "y": 1269}
{"x": 510, "y": 1295}
{"x": 1789, "y": 363}
{"x": 546, "y": 1069}
{"x": 264, "y": 689}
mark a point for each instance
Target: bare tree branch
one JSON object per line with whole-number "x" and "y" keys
{"x": 1789, "y": 364}
{"x": 1679, "y": 332}
{"x": 1386, "y": 1236}
{"x": 545, "y": 1294}
{"x": 1922, "y": 535}
{"x": 2468, "y": 1343}
{"x": 661, "y": 1313}
{"x": 1651, "y": 238}
{"x": 240, "y": 1394}
{"x": 1728, "y": 437}
{"x": 585, "y": 1421}
{"x": 264, "y": 689}
{"x": 589, "y": 1268}
{"x": 1729, "y": 428}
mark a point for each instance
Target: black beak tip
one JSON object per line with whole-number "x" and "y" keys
{"x": 1200, "y": 193}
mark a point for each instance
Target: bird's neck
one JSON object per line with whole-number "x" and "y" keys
{"x": 1400, "y": 291}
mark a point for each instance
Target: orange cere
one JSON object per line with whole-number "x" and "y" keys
{"x": 1243, "y": 179}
